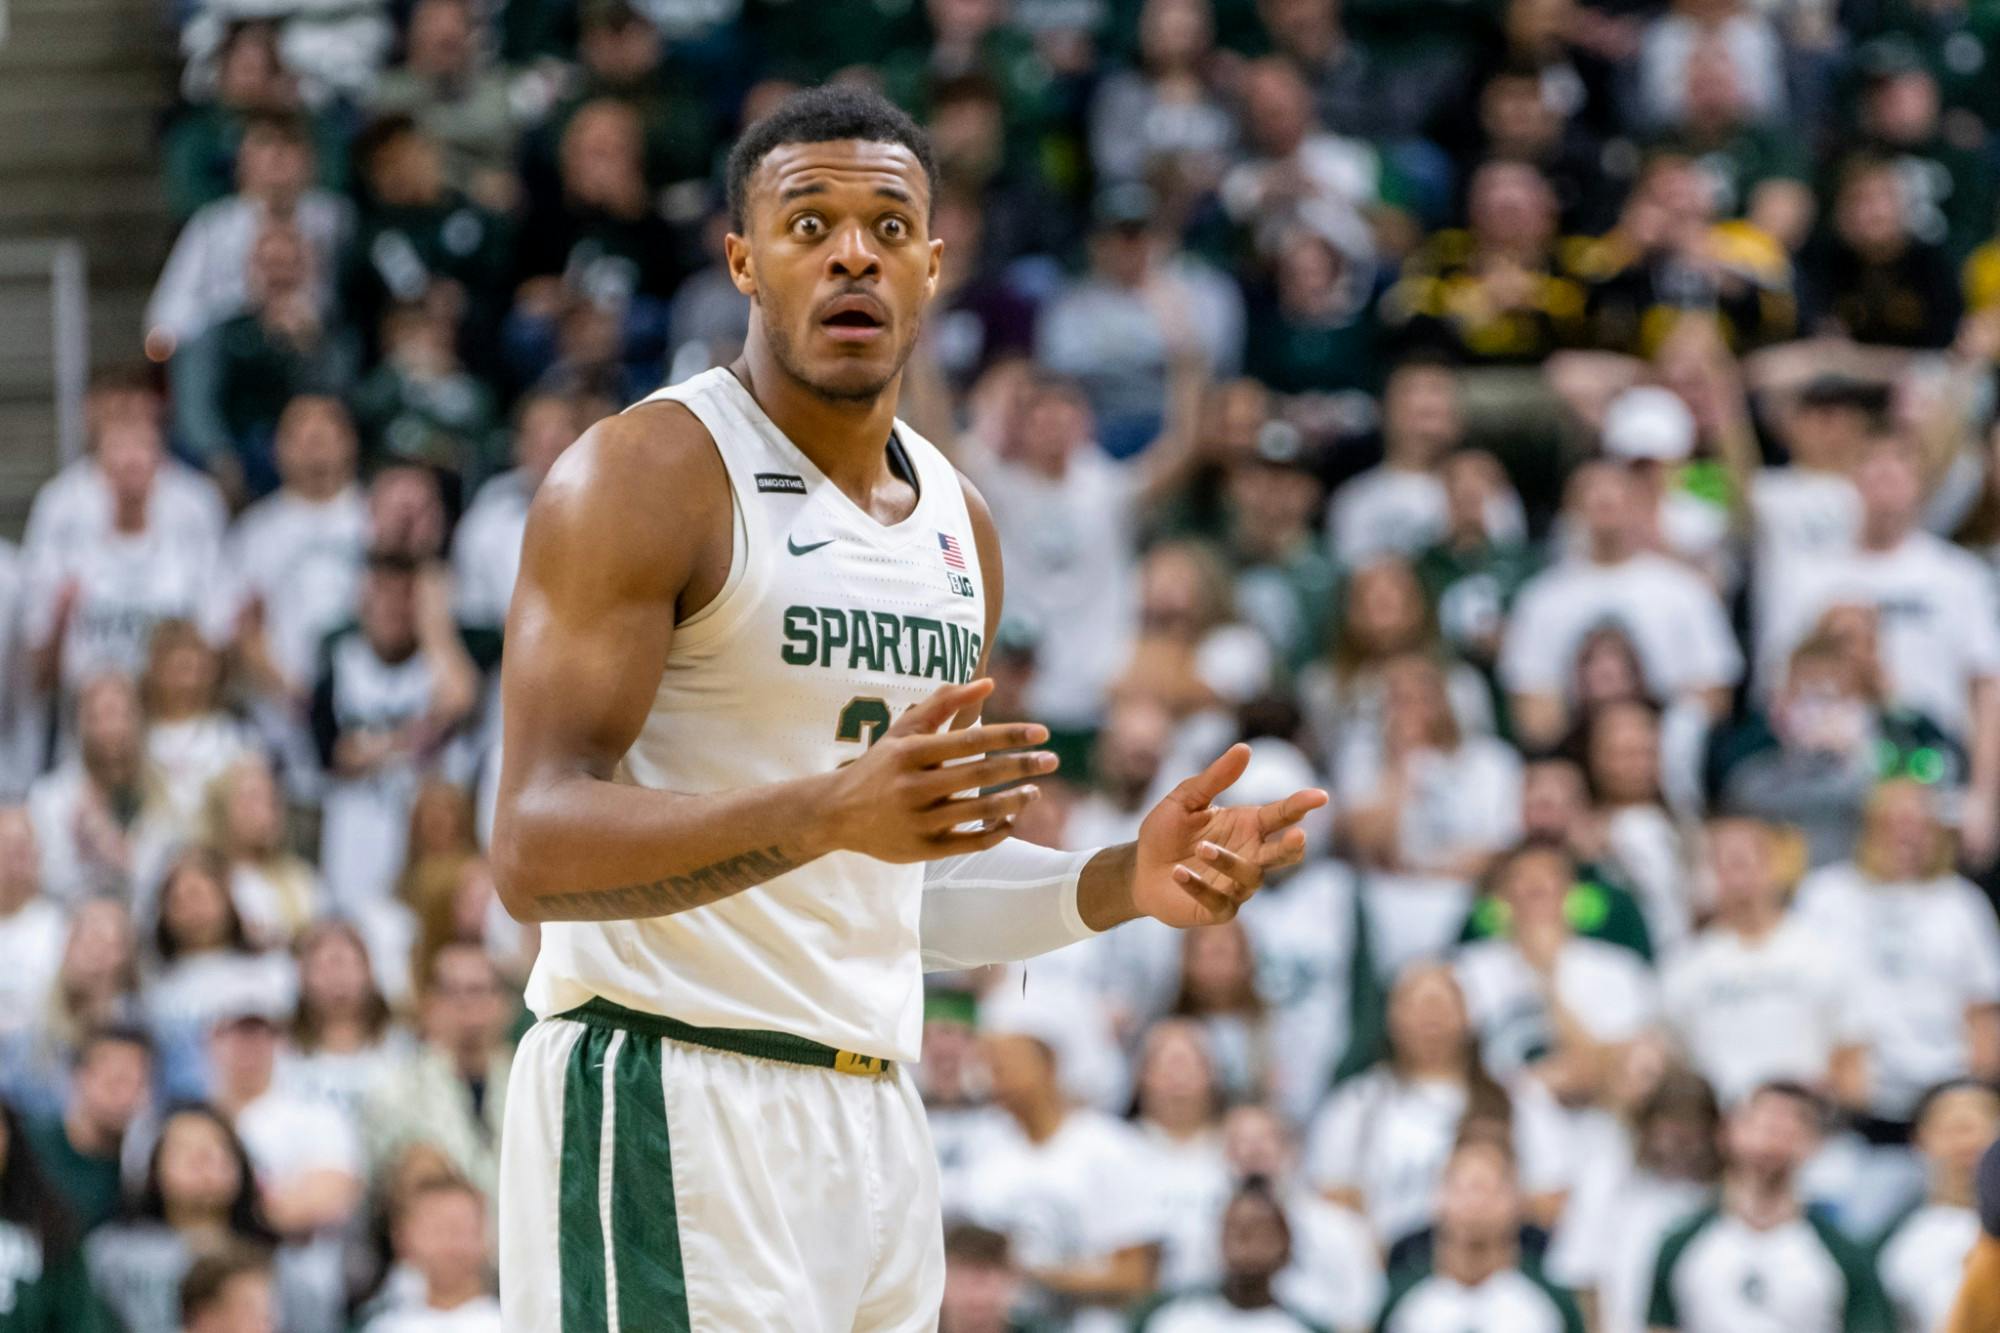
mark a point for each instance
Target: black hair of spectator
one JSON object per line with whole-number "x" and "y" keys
{"x": 388, "y": 560}
{"x": 1834, "y": 390}
{"x": 981, "y": 1247}
{"x": 821, "y": 115}
{"x": 1258, "y": 1190}
{"x": 287, "y": 125}
{"x": 210, "y": 863}
{"x": 110, "y": 1034}
{"x": 246, "y": 1215}
{"x": 971, "y": 87}
{"x": 210, "y": 1275}
{"x": 129, "y": 377}
{"x": 28, "y": 1198}
{"x": 377, "y": 135}
{"x": 1937, "y": 1092}
{"x": 1793, "y": 1091}
{"x": 1270, "y": 713}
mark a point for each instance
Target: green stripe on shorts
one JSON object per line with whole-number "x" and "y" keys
{"x": 645, "y": 1230}
{"x": 579, "y": 1225}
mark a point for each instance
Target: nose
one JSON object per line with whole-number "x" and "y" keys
{"x": 852, "y": 254}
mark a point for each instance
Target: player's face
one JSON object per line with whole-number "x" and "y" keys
{"x": 838, "y": 262}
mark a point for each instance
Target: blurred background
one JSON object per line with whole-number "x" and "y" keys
{"x": 1561, "y": 428}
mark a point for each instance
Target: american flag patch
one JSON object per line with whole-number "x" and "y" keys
{"x": 953, "y": 556}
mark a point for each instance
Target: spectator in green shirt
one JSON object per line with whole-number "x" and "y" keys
{"x": 44, "y": 1287}
{"x": 79, "y": 1151}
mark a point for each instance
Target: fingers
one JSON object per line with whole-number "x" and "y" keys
{"x": 1001, "y": 805}
{"x": 993, "y": 771}
{"x": 939, "y": 707}
{"x": 1197, "y": 792}
{"x": 930, "y": 750}
{"x": 1232, "y": 874}
{"x": 1285, "y": 849}
{"x": 1283, "y": 814}
{"x": 1220, "y": 904}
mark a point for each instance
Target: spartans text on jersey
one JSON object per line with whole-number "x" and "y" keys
{"x": 856, "y": 640}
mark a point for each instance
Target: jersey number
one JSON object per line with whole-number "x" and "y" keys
{"x": 864, "y": 719}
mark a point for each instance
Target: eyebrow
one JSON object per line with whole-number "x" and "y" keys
{"x": 802, "y": 191}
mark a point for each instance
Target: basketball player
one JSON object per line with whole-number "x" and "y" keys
{"x": 742, "y": 789}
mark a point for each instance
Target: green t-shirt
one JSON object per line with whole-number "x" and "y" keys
{"x": 89, "y": 1185}
{"x": 39, "y": 1294}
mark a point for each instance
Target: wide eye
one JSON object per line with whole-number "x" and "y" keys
{"x": 894, "y": 228}
{"x": 808, "y": 226}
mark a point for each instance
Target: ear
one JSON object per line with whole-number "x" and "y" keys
{"x": 736, "y": 255}
{"x": 937, "y": 261}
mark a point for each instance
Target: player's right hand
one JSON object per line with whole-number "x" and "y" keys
{"x": 905, "y": 799}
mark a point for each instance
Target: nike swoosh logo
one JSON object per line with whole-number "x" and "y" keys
{"x": 809, "y": 547}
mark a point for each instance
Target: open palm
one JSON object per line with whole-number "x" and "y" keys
{"x": 1197, "y": 862}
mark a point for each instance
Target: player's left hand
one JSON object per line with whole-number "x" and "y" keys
{"x": 1197, "y": 862}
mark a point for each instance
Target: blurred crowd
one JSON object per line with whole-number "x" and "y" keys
{"x": 1561, "y": 428}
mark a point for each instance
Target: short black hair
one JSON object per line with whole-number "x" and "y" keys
{"x": 820, "y": 115}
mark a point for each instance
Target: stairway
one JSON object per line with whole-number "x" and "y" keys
{"x": 83, "y": 87}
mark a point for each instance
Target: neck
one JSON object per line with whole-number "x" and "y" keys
{"x": 1883, "y": 536}
{"x": 1610, "y": 548}
{"x": 316, "y": 490}
{"x": 843, "y": 439}
{"x": 450, "y": 1293}
{"x": 1760, "y": 1204}
{"x": 346, "y": 1033}
{"x": 1470, "y": 1260}
{"x": 1951, "y": 1188}
{"x": 470, "y": 1061}
{"x": 201, "y": 1221}
{"x": 1180, "y": 1124}
{"x": 1248, "y": 1291}
{"x": 129, "y": 515}
{"x": 1041, "y": 1116}
{"x": 1448, "y": 1068}
{"x": 232, "y": 1099}
{"x": 1405, "y": 455}
{"x": 87, "y": 1136}
{"x": 1753, "y": 920}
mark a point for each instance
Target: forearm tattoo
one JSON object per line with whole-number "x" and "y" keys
{"x": 675, "y": 893}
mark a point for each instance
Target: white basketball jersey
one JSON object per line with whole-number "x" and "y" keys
{"x": 829, "y": 625}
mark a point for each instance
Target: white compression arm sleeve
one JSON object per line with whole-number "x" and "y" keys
{"x": 1007, "y": 903}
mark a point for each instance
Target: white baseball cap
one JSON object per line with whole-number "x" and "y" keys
{"x": 1648, "y": 424}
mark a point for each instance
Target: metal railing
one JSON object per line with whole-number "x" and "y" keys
{"x": 62, "y": 264}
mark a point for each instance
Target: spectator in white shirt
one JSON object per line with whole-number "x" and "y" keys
{"x": 1620, "y": 745}
{"x": 102, "y": 819}
{"x": 1178, "y": 1113}
{"x": 297, "y": 554}
{"x": 1335, "y": 1274}
{"x": 95, "y": 986}
{"x": 191, "y": 741}
{"x": 203, "y": 281}
{"x": 1760, "y": 995}
{"x": 1380, "y": 1143}
{"x": 32, "y": 927}
{"x": 1671, "y": 615}
{"x": 22, "y": 718}
{"x": 1923, "y": 948}
{"x": 276, "y": 889}
{"x": 1399, "y": 507}
{"x": 99, "y": 593}
{"x": 306, "y": 1153}
{"x": 1067, "y": 1184}
{"x": 1922, "y": 1255}
{"x": 1422, "y": 796}
{"x": 1296, "y": 173}
{"x": 1939, "y": 626}
{"x": 1256, "y": 1246}
{"x": 1544, "y": 998}
{"x": 1652, "y": 432}
{"x": 486, "y": 549}
{"x": 342, "y": 1039}
{"x": 440, "y": 1233}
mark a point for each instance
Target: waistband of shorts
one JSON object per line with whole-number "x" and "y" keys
{"x": 758, "y": 1044}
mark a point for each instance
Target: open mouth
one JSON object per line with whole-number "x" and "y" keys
{"x": 853, "y": 319}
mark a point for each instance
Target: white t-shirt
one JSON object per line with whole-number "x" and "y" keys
{"x": 341, "y": 1079}
{"x": 1923, "y": 954}
{"x": 1072, "y": 570}
{"x": 1643, "y": 842}
{"x": 1454, "y": 802}
{"x": 288, "y": 1137}
{"x": 1303, "y": 933}
{"x": 480, "y": 1316}
{"x": 1717, "y": 1275}
{"x": 31, "y": 949}
{"x": 1209, "y": 1313}
{"x": 1939, "y": 621}
{"x": 1922, "y": 1263}
{"x": 303, "y": 559}
{"x": 1335, "y": 1277}
{"x": 1605, "y": 987}
{"x": 486, "y": 549}
{"x": 1396, "y": 511}
{"x": 1508, "y": 1302}
{"x": 1748, "y": 1013}
{"x": 189, "y": 995}
{"x": 1191, "y": 1185}
{"x": 1082, "y": 1195}
{"x": 1801, "y": 515}
{"x": 20, "y": 714}
{"x": 1673, "y": 618}
{"x": 67, "y": 872}
{"x": 191, "y": 754}
{"x": 126, "y": 584}
{"x": 74, "y": 507}
{"x": 1390, "y": 1139}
